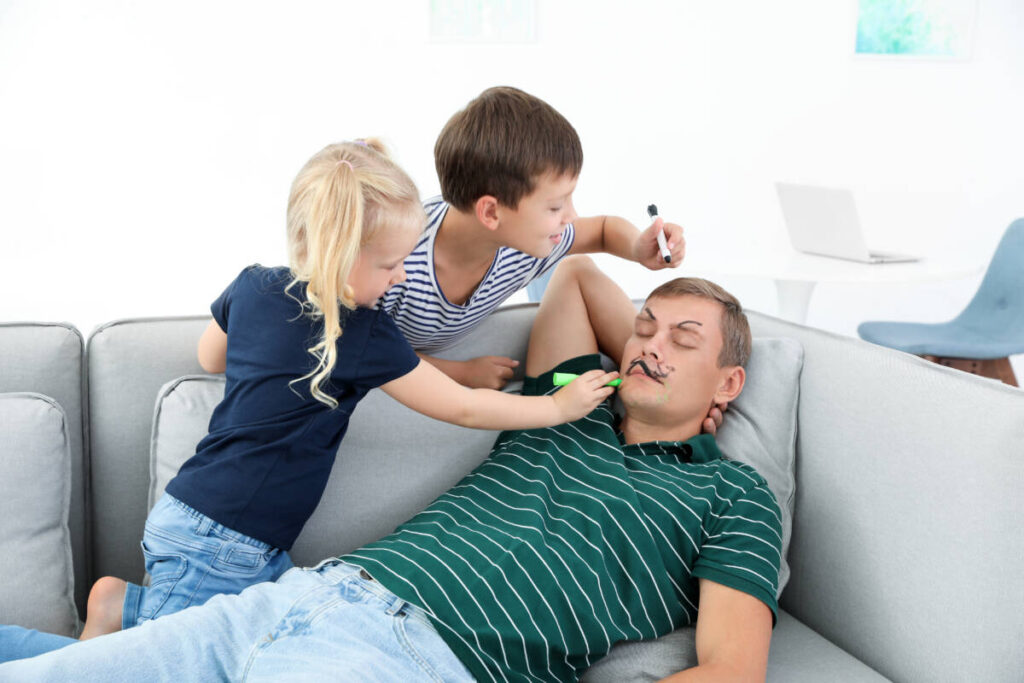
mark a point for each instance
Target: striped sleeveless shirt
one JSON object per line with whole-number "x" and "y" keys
{"x": 427, "y": 319}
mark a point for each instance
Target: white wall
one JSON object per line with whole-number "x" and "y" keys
{"x": 146, "y": 148}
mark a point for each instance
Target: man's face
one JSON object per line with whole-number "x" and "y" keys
{"x": 670, "y": 371}
{"x": 535, "y": 226}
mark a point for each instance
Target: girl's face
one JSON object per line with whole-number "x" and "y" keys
{"x": 380, "y": 263}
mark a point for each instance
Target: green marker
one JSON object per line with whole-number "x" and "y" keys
{"x": 563, "y": 378}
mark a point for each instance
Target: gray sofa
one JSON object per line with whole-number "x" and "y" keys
{"x": 906, "y": 531}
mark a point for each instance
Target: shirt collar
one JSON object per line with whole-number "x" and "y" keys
{"x": 700, "y": 449}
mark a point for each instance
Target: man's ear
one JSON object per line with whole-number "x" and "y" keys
{"x": 731, "y": 384}
{"x": 486, "y": 209}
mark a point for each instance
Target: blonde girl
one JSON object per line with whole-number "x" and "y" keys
{"x": 299, "y": 347}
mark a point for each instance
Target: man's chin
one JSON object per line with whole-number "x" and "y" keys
{"x": 642, "y": 394}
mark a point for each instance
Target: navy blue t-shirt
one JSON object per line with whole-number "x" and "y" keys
{"x": 264, "y": 464}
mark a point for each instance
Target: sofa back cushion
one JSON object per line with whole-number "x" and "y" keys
{"x": 48, "y": 359}
{"x": 129, "y": 360}
{"x": 36, "y": 573}
{"x": 760, "y": 427}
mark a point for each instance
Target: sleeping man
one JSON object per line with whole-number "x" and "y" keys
{"x": 563, "y": 542}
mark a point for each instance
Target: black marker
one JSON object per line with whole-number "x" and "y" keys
{"x": 652, "y": 211}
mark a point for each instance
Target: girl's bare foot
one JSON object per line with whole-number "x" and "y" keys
{"x": 103, "y": 611}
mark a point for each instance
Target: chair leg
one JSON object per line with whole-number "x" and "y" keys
{"x": 998, "y": 368}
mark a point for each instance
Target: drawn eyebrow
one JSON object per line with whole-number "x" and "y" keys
{"x": 687, "y": 322}
{"x": 648, "y": 312}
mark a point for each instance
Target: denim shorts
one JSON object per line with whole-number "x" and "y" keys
{"x": 190, "y": 558}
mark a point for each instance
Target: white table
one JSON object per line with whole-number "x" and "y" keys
{"x": 795, "y": 274}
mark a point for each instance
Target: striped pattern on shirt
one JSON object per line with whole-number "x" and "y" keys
{"x": 565, "y": 541}
{"x": 427, "y": 319}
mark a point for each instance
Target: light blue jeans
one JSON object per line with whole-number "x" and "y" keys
{"x": 328, "y": 623}
{"x": 190, "y": 558}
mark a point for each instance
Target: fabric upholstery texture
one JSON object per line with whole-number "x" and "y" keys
{"x": 885, "y": 436}
{"x": 35, "y": 498}
{"x": 128, "y": 362}
{"x": 48, "y": 359}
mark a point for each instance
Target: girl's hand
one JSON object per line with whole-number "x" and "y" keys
{"x": 583, "y": 394}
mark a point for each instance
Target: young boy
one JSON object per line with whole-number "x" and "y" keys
{"x": 507, "y": 165}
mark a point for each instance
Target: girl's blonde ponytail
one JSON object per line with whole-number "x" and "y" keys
{"x": 340, "y": 199}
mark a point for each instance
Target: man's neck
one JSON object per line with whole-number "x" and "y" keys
{"x": 636, "y": 429}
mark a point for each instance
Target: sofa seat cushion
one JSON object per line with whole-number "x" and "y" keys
{"x": 797, "y": 655}
{"x": 36, "y": 573}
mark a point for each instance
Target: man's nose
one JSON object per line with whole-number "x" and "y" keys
{"x": 652, "y": 348}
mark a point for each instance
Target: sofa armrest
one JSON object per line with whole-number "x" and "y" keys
{"x": 906, "y": 544}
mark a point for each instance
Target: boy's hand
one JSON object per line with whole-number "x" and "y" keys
{"x": 583, "y": 394}
{"x": 714, "y": 419}
{"x": 486, "y": 372}
{"x": 646, "y": 251}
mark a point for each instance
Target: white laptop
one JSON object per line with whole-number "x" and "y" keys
{"x": 824, "y": 221}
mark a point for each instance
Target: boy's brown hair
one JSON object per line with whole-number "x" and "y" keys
{"x": 735, "y": 328}
{"x": 500, "y": 144}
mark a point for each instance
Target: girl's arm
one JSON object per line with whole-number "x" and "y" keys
{"x": 429, "y": 391}
{"x": 213, "y": 349}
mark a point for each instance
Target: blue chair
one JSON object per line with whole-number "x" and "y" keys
{"x": 986, "y": 333}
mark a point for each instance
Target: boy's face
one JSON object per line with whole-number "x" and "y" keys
{"x": 670, "y": 365}
{"x": 535, "y": 226}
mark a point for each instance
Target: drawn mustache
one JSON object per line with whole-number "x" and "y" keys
{"x": 656, "y": 375}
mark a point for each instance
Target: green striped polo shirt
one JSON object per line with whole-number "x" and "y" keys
{"x": 566, "y": 541}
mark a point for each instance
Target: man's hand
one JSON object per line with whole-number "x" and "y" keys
{"x": 583, "y": 394}
{"x": 646, "y": 251}
{"x": 714, "y": 419}
{"x": 485, "y": 372}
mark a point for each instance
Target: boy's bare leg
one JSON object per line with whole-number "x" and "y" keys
{"x": 104, "y": 609}
{"x": 583, "y": 311}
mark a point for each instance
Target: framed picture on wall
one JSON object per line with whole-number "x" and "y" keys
{"x": 941, "y": 29}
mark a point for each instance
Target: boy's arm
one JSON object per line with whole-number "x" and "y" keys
{"x": 213, "y": 348}
{"x": 734, "y": 630}
{"x": 617, "y": 236}
{"x": 485, "y": 372}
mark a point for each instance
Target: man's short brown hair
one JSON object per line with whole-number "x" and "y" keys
{"x": 735, "y": 328}
{"x": 500, "y": 144}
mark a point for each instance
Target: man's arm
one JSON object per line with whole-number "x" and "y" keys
{"x": 733, "y": 633}
{"x": 582, "y": 312}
